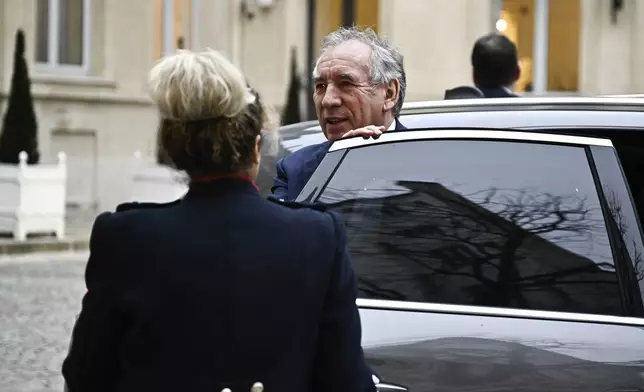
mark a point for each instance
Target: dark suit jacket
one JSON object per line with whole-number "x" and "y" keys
{"x": 463, "y": 92}
{"x": 295, "y": 170}
{"x": 221, "y": 289}
{"x": 499, "y": 92}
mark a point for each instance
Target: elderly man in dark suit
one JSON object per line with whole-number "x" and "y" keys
{"x": 495, "y": 65}
{"x": 360, "y": 87}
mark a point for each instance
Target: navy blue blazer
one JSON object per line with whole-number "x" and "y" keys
{"x": 220, "y": 289}
{"x": 295, "y": 170}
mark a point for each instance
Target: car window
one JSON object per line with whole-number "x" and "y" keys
{"x": 487, "y": 223}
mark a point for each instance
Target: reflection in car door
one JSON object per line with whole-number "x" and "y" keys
{"x": 485, "y": 264}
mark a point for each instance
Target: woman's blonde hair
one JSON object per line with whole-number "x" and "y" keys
{"x": 210, "y": 117}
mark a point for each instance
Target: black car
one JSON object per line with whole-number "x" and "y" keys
{"x": 498, "y": 243}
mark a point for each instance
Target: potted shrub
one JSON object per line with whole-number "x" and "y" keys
{"x": 32, "y": 195}
{"x": 291, "y": 113}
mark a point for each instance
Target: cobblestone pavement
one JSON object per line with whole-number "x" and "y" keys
{"x": 39, "y": 299}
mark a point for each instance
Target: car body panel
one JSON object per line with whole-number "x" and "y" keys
{"x": 433, "y": 351}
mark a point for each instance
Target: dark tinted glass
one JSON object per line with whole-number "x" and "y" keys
{"x": 42, "y": 31}
{"x": 489, "y": 223}
{"x": 70, "y": 30}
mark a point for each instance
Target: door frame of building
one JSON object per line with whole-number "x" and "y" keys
{"x": 93, "y": 202}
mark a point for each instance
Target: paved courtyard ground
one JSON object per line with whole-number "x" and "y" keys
{"x": 39, "y": 298}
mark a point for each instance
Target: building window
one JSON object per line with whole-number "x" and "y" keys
{"x": 62, "y": 34}
{"x": 173, "y": 25}
{"x": 517, "y": 22}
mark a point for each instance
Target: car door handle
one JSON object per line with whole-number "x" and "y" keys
{"x": 386, "y": 387}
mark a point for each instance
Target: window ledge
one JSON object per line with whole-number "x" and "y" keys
{"x": 73, "y": 80}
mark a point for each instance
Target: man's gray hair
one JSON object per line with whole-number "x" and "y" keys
{"x": 386, "y": 60}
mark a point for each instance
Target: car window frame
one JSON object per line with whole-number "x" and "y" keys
{"x": 628, "y": 243}
{"x": 631, "y": 297}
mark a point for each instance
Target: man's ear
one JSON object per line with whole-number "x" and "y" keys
{"x": 517, "y": 76}
{"x": 392, "y": 91}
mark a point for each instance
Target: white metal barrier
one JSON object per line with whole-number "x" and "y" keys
{"x": 32, "y": 197}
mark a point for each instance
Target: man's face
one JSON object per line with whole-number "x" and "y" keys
{"x": 343, "y": 96}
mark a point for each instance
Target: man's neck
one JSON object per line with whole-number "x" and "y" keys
{"x": 391, "y": 125}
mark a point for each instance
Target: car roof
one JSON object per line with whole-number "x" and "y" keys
{"x": 625, "y": 96}
{"x": 632, "y": 102}
{"x": 468, "y": 134}
{"x": 522, "y": 103}
{"x": 521, "y": 113}
{"x": 528, "y": 113}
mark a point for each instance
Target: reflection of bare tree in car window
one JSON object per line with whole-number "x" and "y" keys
{"x": 500, "y": 225}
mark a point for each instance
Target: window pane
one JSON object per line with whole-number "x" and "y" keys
{"x": 485, "y": 223}
{"x": 42, "y": 31}
{"x": 70, "y": 28}
{"x": 158, "y": 33}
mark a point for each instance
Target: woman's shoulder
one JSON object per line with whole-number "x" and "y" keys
{"x": 128, "y": 211}
{"x": 308, "y": 213}
{"x": 135, "y": 205}
{"x": 306, "y": 225}
{"x": 296, "y": 205}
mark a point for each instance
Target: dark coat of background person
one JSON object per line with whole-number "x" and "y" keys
{"x": 500, "y": 92}
{"x": 463, "y": 92}
{"x": 296, "y": 169}
{"x": 223, "y": 288}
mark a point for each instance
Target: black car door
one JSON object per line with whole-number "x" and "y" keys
{"x": 485, "y": 261}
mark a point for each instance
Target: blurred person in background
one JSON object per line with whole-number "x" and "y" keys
{"x": 495, "y": 65}
{"x": 222, "y": 288}
{"x": 359, "y": 88}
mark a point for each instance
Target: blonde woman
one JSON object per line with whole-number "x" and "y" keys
{"x": 222, "y": 289}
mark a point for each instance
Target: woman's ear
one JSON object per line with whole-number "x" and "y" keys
{"x": 392, "y": 91}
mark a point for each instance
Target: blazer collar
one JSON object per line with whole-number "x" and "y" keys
{"x": 220, "y": 187}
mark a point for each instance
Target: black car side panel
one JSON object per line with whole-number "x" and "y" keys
{"x": 428, "y": 348}
{"x": 461, "y": 352}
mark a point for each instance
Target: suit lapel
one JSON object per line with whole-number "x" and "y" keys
{"x": 309, "y": 166}
{"x": 314, "y": 159}
{"x": 399, "y": 126}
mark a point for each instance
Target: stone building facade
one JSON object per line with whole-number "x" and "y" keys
{"x": 89, "y": 59}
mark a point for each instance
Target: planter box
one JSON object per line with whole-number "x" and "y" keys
{"x": 32, "y": 198}
{"x": 156, "y": 183}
